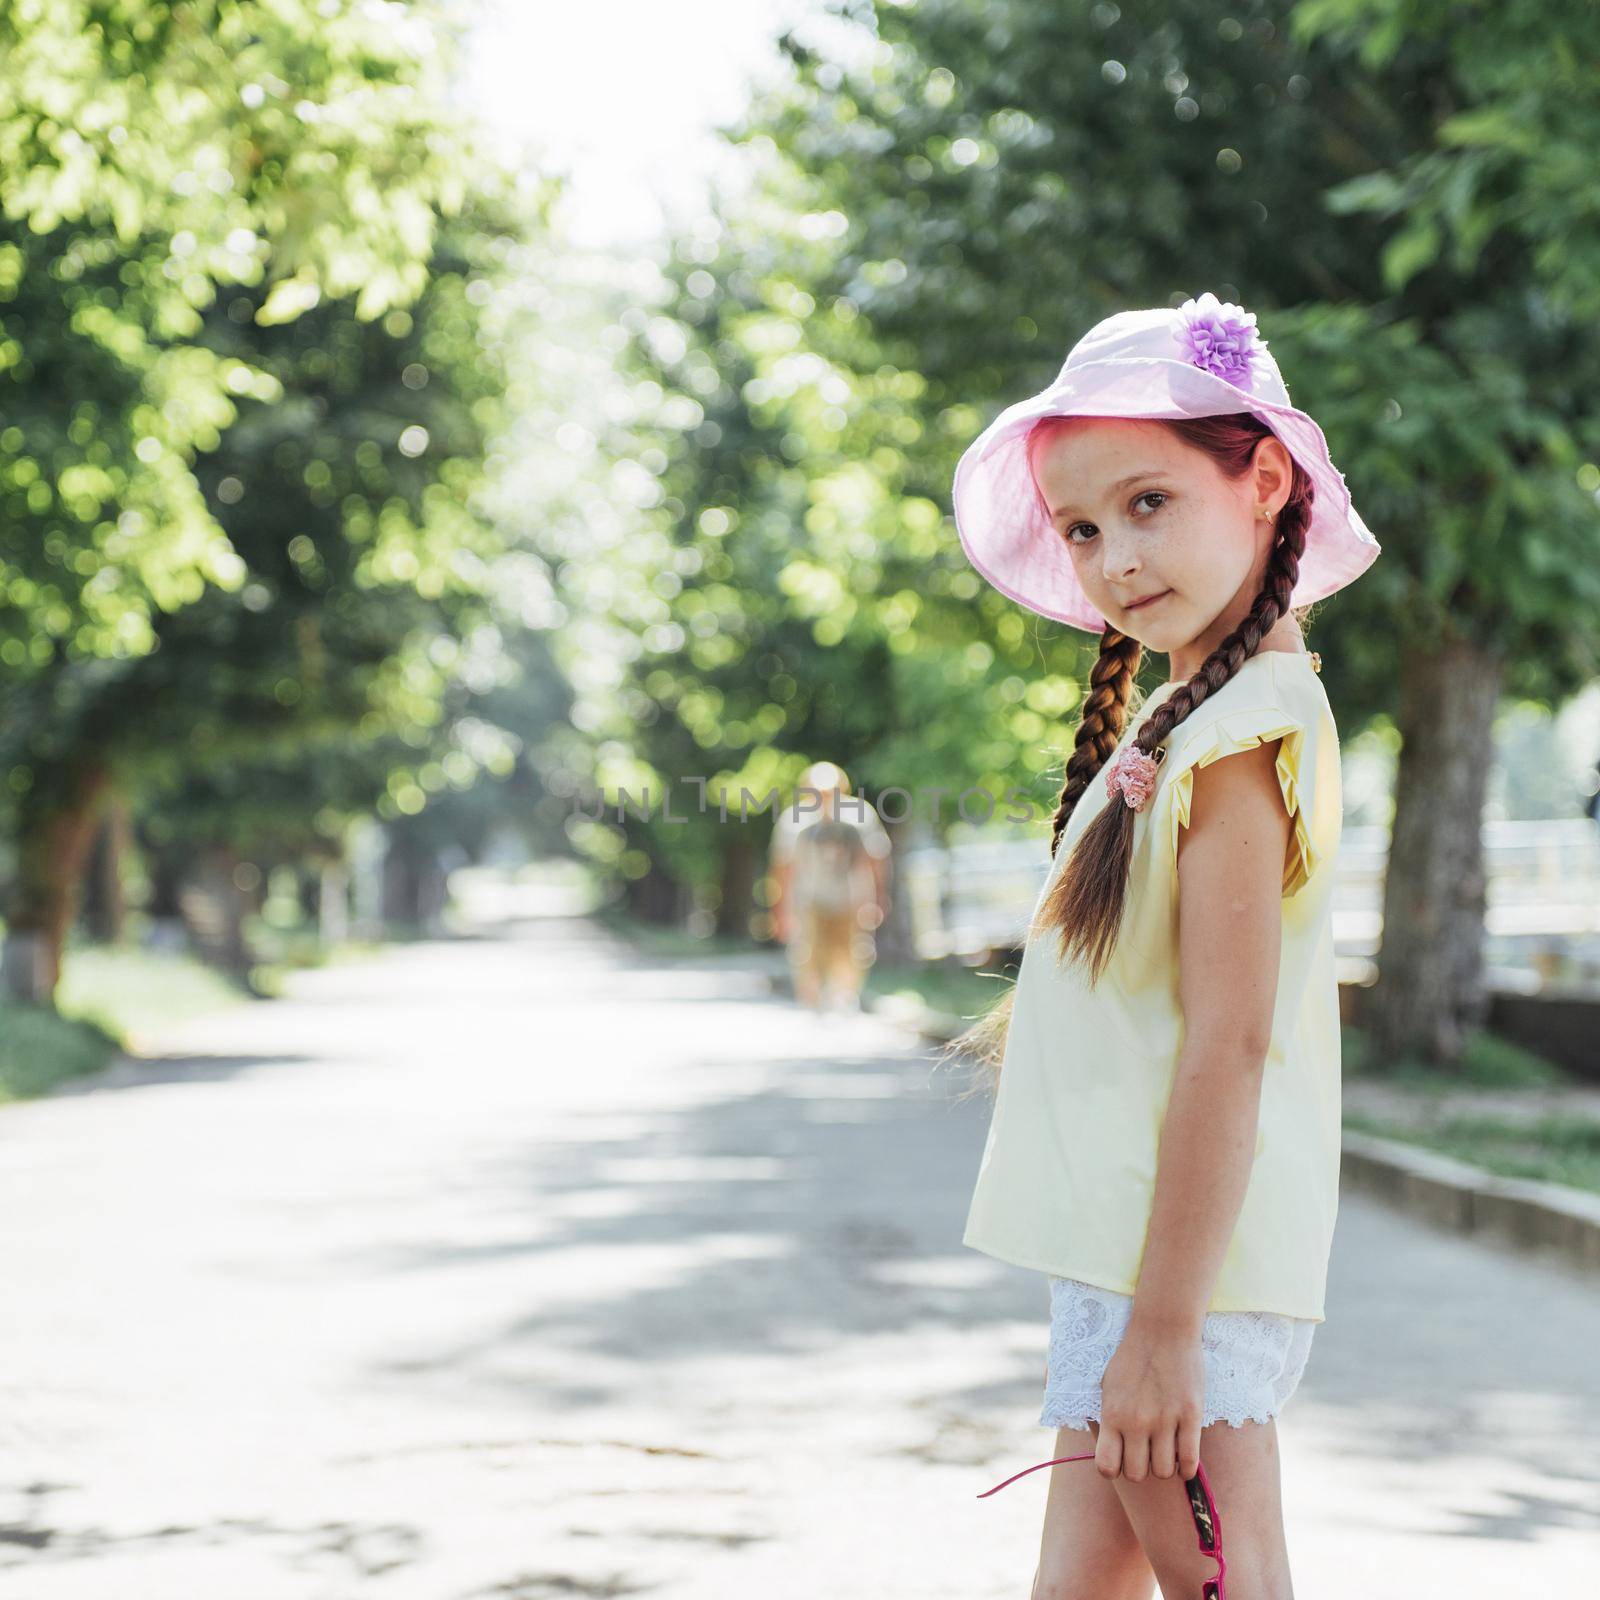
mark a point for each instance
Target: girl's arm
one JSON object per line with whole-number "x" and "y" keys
{"x": 1230, "y": 879}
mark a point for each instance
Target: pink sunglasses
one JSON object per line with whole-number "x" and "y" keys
{"x": 1207, "y": 1524}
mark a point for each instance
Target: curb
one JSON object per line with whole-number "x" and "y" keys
{"x": 1432, "y": 1187}
{"x": 1455, "y": 1194}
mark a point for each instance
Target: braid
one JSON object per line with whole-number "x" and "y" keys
{"x": 1105, "y": 715}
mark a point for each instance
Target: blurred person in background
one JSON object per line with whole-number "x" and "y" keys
{"x": 830, "y": 867}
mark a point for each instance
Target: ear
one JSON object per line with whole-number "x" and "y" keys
{"x": 1272, "y": 475}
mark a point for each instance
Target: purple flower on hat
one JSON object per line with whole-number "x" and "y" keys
{"x": 1219, "y": 337}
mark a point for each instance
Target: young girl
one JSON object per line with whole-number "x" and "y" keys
{"x": 1166, "y": 1129}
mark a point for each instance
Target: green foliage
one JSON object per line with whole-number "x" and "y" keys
{"x": 334, "y": 679}
{"x": 290, "y": 143}
{"x": 1488, "y": 1061}
{"x": 935, "y": 222}
{"x": 1508, "y": 169}
{"x": 255, "y": 349}
{"x": 150, "y": 155}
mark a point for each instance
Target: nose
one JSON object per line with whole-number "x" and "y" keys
{"x": 1119, "y": 557}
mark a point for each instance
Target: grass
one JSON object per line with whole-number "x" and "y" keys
{"x": 285, "y": 951}
{"x": 1487, "y": 1062}
{"x": 40, "y": 1048}
{"x": 129, "y": 991}
{"x": 955, "y": 990}
{"x": 108, "y": 998}
{"x": 1553, "y": 1149}
{"x": 670, "y": 942}
{"x": 115, "y": 998}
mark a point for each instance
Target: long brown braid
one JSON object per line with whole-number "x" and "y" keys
{"x": 1105, "y": 715}
{"x": 1086, "y": 900}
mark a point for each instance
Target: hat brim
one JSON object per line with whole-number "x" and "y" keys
{"x": 1008, "y": 537}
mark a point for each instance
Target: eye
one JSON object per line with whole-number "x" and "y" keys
{"x": 1148, "y": 494}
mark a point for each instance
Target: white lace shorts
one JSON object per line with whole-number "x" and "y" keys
{"x": 1253, "y": 1359}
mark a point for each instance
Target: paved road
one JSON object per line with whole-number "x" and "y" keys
{"x": 515, "y": 1267}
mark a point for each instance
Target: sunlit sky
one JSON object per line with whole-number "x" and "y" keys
{"x": 622, "y": 95}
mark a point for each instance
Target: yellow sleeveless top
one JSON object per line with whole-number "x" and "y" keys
{"x": 1067, "y": 1178}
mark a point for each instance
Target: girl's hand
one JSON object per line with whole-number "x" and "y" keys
{"x": 1151, "y": 1400}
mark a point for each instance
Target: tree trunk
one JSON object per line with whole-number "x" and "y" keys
{"x": 167, "y": 865}
{"x": 56, "y": 833}
{"x": 896, "y": 945}
{"x": 166, "y": 862}
{"x": 405, "y": 871}
{"x": 656, "y": 898}
{"x": 1430, "y": 991}
{"x": 333, "y": 903}
{"x": 738, "y": 889}
{"x": 215, "y": 908}
{"x": 105, "y": 906}
{"x": 307, "y": 890}
{"x": 368, "y": 847}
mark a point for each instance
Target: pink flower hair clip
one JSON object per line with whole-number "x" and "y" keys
{"x": 1133, "y": 775}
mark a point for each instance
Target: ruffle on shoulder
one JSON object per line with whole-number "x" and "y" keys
{"x": 1225, "y": 735}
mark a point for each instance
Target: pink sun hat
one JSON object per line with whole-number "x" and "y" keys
{"x": 1204, "y": 359}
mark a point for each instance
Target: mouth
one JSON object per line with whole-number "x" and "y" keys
{"x": 1149, "y": 600}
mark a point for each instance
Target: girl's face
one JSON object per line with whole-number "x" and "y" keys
{"x": 1144, "y": 514}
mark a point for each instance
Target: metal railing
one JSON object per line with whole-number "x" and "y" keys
{"x": 1543, "y": 895}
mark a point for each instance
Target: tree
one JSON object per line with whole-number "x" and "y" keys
{"x": 1003, "y": 173}
{"x": 1491, "y": 214}
{"x": 346, "y": 673}
{"x": 151, "y": 153}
